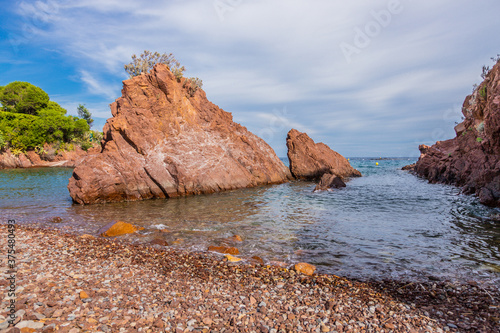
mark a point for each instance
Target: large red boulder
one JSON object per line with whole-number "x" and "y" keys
{"x": 310, "y": 161}
{"x": 164, "y": 140}
{"x": 472, "y": 159}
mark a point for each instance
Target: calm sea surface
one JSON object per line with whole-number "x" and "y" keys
{"x": 386, "y": 224}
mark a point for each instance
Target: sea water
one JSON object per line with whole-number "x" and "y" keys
{"x": 386, "y": 224}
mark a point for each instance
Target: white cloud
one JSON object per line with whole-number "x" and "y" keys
{"x": 256, "y": 55}
{"x": 98, "y": 87}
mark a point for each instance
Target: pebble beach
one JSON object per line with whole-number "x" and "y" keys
{"x": 82, "y": 283}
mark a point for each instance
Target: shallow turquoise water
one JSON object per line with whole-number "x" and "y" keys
{"x": 386, "y": 224}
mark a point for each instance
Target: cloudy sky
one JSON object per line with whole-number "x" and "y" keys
{"x": 367, "y": 77}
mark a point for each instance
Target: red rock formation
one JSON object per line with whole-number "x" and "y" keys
{"x": 309, "y": 160}
{"x": 163, "y": 141}
{"x": 472, "y": 159}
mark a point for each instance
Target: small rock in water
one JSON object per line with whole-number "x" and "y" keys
{"x": 257, "y": 260}
{"x": 328, "y": 181}
{"x": 279, "y": 264}
{"x": 159, "y": 241}
{"x": 224, "y": 249}
{"x": 56, "y": 219}
{"x": 178, "y": 241}
{"x": 117, "y": 229}
{"x": 305, "y": 268}
{"x": 236, "y": 238}
{"x": 231, "y": 258}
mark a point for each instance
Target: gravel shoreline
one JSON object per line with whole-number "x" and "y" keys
{"x": 71, "y": 283}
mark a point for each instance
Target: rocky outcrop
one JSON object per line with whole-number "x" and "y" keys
{"x": 329, "y": 181}
{"x": 310, "y": 161}
{"x": 166, "y": 140}
{"x": 410, "y": 167}
{"x": 48, "y": 158}
{"x": 472, "y": 159}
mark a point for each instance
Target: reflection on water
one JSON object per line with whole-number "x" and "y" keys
{"x": 385, "y": 224}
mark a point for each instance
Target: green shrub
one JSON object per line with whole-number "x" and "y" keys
{"x": 178, "y": 71}
{"x": 192, "y": 84}
{"x": 86, "y": 146}
{"x": 3, "y": 143}
{"x": 16, "y": 151}
{"x": 96, "y": 136}
{"x": 39, "y": 150}
{"x": 23, "y": 97}
{"x": 25, "y": 132}
{"x": 147, "y": 60}
{"x": 483, "y": 92}
{"x": 479, "y": 139}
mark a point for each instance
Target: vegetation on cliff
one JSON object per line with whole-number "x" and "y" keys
{"x": 147, "y": 60}
{"x": 29, "y": 120}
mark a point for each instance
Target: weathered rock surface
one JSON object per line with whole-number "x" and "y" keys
{"x": 164, "y": 141}
{"x": 329, "y": 181}
{"x": 472, "y": 159}
{"x": 47, "y": 159}
{"x": 310, "y": 161}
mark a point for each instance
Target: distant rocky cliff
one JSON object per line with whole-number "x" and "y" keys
{"x": 472, "y": 159}
{"x": 164, "y": 140}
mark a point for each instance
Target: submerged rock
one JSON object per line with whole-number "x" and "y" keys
{"x": 159, "y": 241}
{"x": 471, "y": 160}
{"x": 224, "y": 249}
{"x": 313, "y": 161}
{"x": 410, "y": 167}
{"x": 231, "y": 258}
{"x": 119, "y": 228}
{"x": 305, "y": 268}
{"x": 166, "y": 141}
{"x": 329, "y": 181}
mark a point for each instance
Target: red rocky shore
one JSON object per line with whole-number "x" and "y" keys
{"x": 50, "y": 157}
{"x": 71, "y": 283}
{"x": 471, "y": 160}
